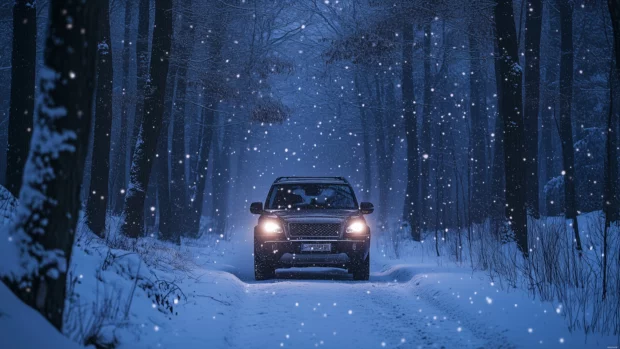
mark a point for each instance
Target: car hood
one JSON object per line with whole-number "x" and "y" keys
{"x": 313, "y": 215}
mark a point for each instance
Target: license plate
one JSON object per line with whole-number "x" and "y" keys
{"x": 316, "y": 247}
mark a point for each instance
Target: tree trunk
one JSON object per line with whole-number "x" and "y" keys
{"x": 146, "y": 143}
{"x": 365, "y": 139}
{"x": 565, "y": 124}
{"x": 44, "y": 226}
{"x": 612, "y": 185}
{"x": 211, "y": 103}
{"x": 196, "y": 205}
{"x": 178, "y": 184}
{"x": 411, "y": 127}
{"x": 610, "y": 197}
{"x": 392, "y": 125}
{"x": 221, "y": 174}
{"x": 512, "y": 114}
{"x": 614, "y": 10}
{"x": 533, "y": 24}
{"x": 142, "y": 70}
{"x": 23, "y": 67}
{"x": 498, "y": 179}
{"x": 381, "y": 153}
{"x": 477, "y": 146}
{"x": 97, "y": 202}
{"x": 426, "y": 134}
{"x": 120, "y": 164}
{"x": 162, "y": 174}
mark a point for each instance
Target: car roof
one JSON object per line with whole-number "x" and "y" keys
{"x": 318, "y": 180}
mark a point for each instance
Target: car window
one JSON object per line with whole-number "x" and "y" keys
{"x": 311, "y": 196}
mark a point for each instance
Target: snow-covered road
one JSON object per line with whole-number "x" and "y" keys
{"x": 299, "y": 310}
{"x": 307, "y": 308}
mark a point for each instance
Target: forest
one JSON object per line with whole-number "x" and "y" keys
{"x": 134, "y": 134}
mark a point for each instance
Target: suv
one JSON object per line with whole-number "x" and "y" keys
{"x": 311, "y": 221}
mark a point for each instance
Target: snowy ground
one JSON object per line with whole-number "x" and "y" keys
{"x": 406, "y": 304}
{"x": 203, "y": 295}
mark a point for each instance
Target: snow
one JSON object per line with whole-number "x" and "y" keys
{"x": 414, "y": 301}
{"x": 22, "y": 327}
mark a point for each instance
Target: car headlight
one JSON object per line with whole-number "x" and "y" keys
{"x": 271, "y": 227}
{"x": 356, "y": 227}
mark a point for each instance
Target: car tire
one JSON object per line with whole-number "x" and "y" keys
{"x": 361, "y": 271}
{"x": 263, "y": 270}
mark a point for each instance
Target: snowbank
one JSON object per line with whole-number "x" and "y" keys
{"x": 22, "y": 327}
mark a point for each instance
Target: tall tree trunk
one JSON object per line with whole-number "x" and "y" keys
{"x": 44, "y": 226}
{"x": 565, "y": 124}
{"x": 196, "y": 205}
{"x": 392, "y": 127}
{"x": 614, "y": 10}
{"x": 211, "y": 103}
{"x": 477, "y": 146}
{"x": 178, "y": 184}
{"x": 548, "y": 127}
{"x": 381, "y": 153}
{"x": 146, "y": 144}
{"x": 97, "y": 202}
{"x": 498, "y": 179}
{"x": 161, "y": 170}
{"x": 365, "y": 138}
{"x": 142, "y": 70}
{"x": 120, "y": 164}
{"x": 411, "y": 127}
{"x": 23, "y": 66}
{"x": 426, "y": 134}
{"x": 533, "y": 25}
{"x": 612, "y": 183}
{"x": 512, "y": 114}
{"x": 221, "y": 173}
{"x": 610, "y": 197}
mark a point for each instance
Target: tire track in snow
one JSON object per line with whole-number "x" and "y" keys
{"x": 343, "y": 314}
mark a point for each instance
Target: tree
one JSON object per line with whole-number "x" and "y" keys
{"x": 479, "y": 125}
{"x": 23, "y": 63}
{"x": 211, "y": 94}
{"x": 411, "y": 196}
{"x": 162, "y": 167}
{"x": 565, "y": 124}
{"x": 612, "y": 185}
{"x": 366, "y": 138}
{"x": 533, "y": 26}
{"x": 120, "y": 165}
{"x": 614, "y": 10}
{"x": 548, "y": 128}
{"x": 142, "y": 69}
{"x": 132, "y": 221}
{"x": 511, "y": 111}
{"x": 611, "y": 204}
{"x": 44, "y": 225}
{"x": 383, "y": 160}
{"x": 425, "y": 135}
{"x": 97, "y": 202}
{"x": 178, "y": 184}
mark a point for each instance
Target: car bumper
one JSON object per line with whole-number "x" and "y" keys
{"x": 283, "y": 254}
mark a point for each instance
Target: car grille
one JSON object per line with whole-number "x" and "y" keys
{"x": 314, "y": 229}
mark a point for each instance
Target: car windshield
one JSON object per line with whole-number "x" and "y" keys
{"x": 311, "y": 196}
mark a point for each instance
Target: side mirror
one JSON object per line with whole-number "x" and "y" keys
{"x": 256, "y": 208}
{"x": 367, "y": 208}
